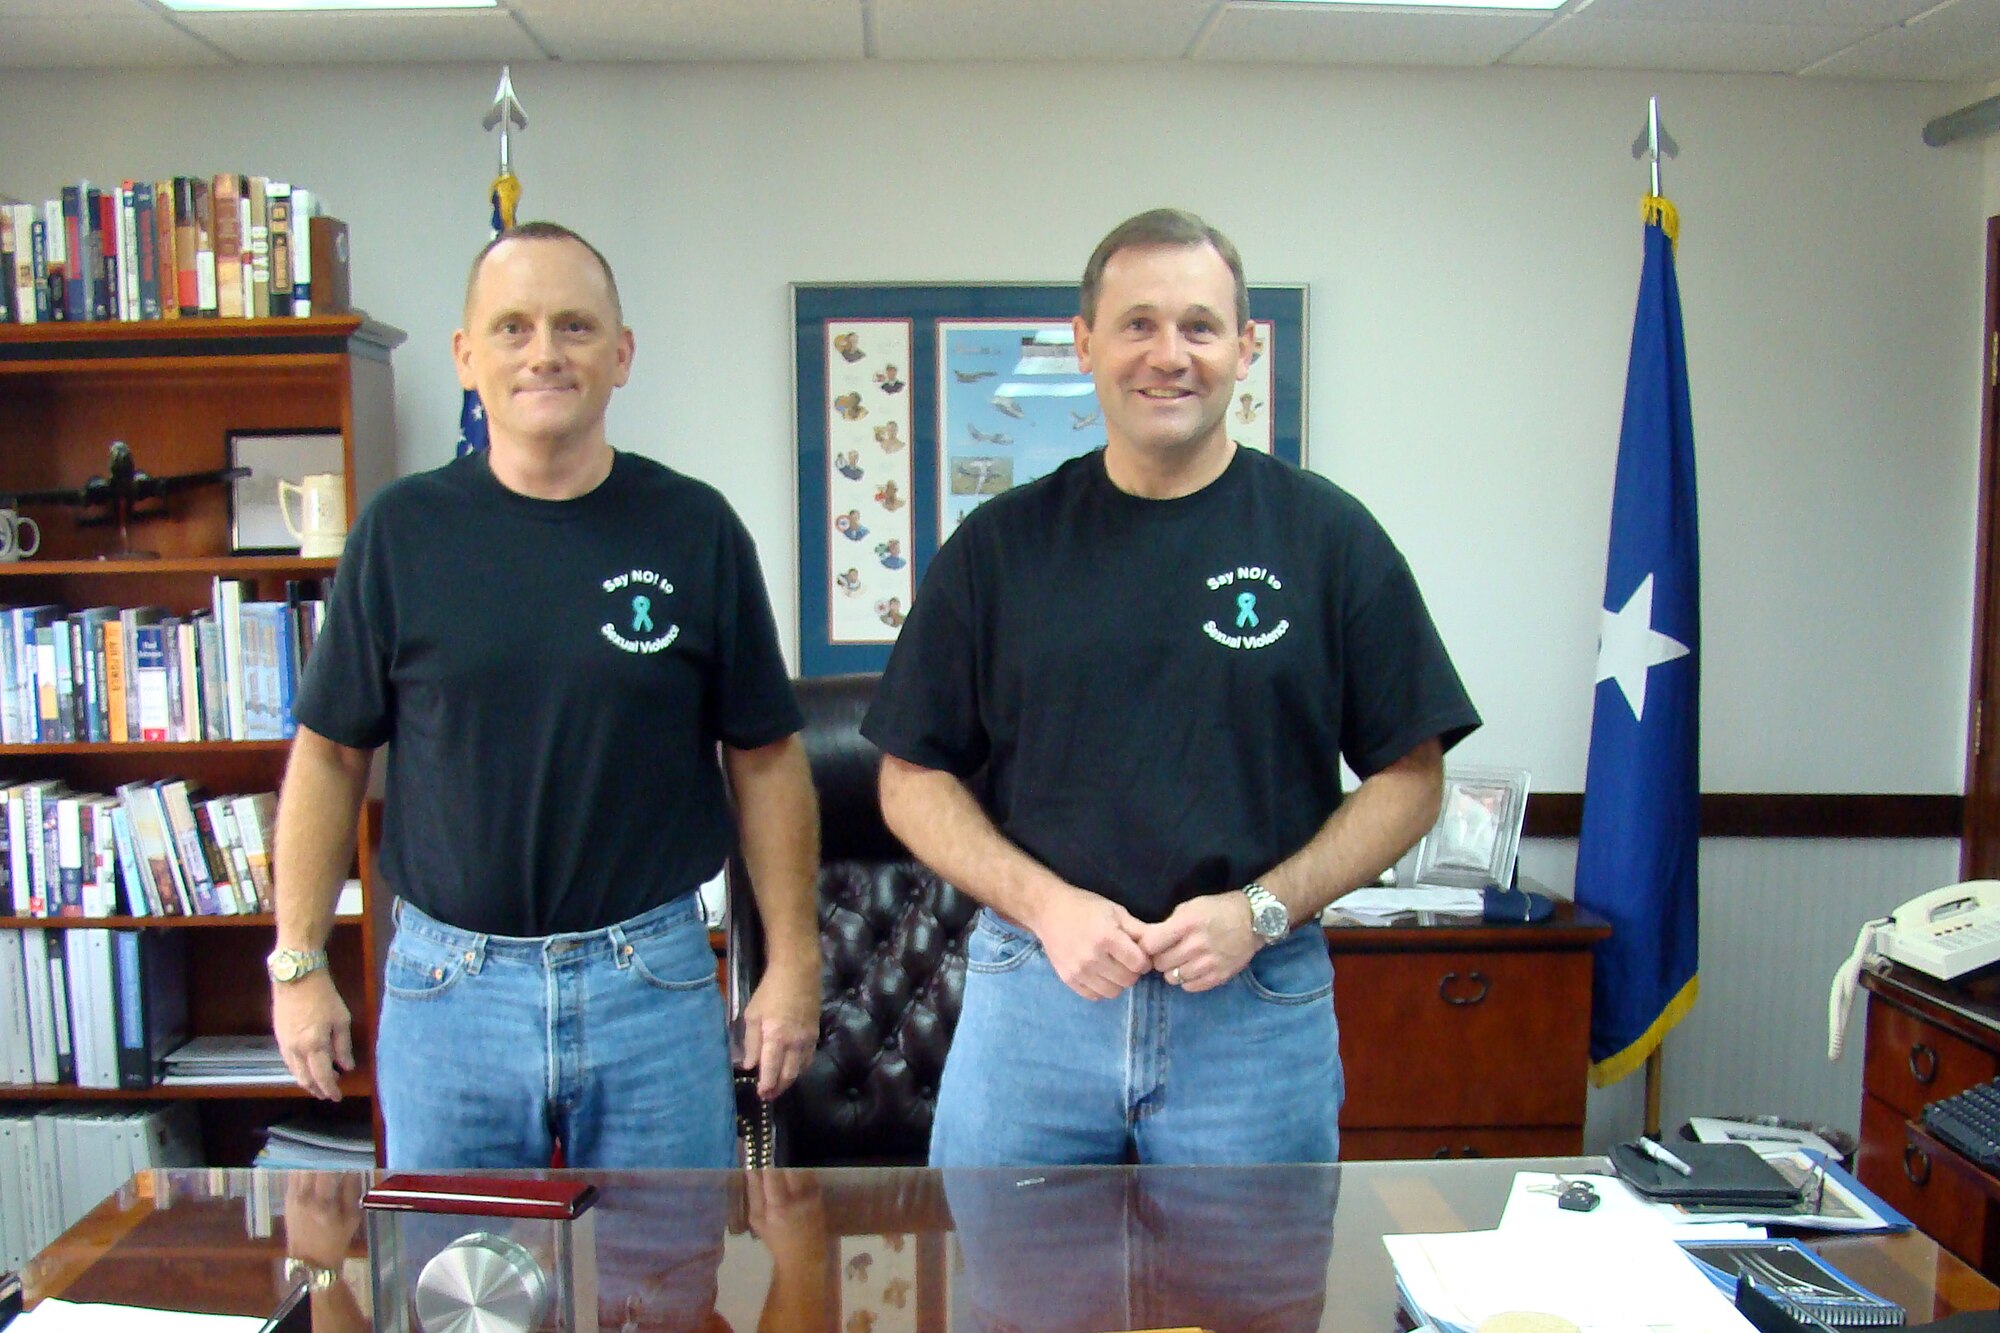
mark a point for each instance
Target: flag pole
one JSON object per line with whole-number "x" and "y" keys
{"x": 1652, "y": 144}
{"x": 504, "y": 196}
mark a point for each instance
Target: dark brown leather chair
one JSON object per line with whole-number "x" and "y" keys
{"x": 892, "y": 936}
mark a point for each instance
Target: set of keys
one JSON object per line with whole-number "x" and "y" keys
{"x": 1573, "y": 1193}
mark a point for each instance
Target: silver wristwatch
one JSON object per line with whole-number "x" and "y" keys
{"x": 1268, "y": 916}
{"x": 293, "y": 964}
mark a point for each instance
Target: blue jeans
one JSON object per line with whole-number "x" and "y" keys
{"x": 1039, "y": 1076}
{"x": 491, "y": 1049}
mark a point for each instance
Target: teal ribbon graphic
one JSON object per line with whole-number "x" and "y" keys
{"x": 642, "y": 615}
{"x": 1246, "y": 610}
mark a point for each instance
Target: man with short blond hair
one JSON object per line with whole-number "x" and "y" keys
{"x": 554, "y": 638}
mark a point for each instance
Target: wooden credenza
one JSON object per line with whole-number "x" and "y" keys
{"x": 1465, "y": 1039}
{"x": 1927, "y": 1040}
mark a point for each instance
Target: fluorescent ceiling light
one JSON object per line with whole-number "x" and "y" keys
{"x": 1537, "y": 5}
{"x": 295, "y": 6}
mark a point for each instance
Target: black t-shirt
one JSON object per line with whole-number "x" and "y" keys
{"x": 551, "y": 677}
{"x": 1160, "y": 690}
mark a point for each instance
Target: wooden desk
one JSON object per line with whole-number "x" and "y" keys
{"x": 1295, "y": 1248}
{"x": 1463, "y": 1039}
{"x": 1928, "y": 1040}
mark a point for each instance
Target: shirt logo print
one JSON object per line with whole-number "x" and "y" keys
{"x": 645, "y": 636}
{"x": 1252, "y": 629}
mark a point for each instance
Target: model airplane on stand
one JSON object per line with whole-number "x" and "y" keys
{"x": 119, "y": 495}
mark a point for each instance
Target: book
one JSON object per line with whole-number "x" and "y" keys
{"x": 166, "y": 280}
{"x": 1798, "y": 1281}
{"x": 186, "y": 847}
{"x": 278, "y": 197}
{"x": 304, "y": 206}
{"x": 204, "y": 249}
{"x": 158, "y": 867}
{"x": 41, "y": 1004}
{"x": 331, "y": 284}
{"x": 227, "y": 192}
{"x": 131, "y": 883}
{"x": 1721, "y": 1175}
{"x": 57, "y": 278}
{"x": 150, "y": 659}
{"x": 146, "y": 235}
{"x": 149, "y": 978}
{"x": 256, "y": 816}
{"x": 187, "y": 251}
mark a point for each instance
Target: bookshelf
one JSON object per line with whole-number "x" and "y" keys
{"x": 173, "y": 390}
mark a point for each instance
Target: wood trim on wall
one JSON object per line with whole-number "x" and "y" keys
{"x": 1780, "y": 815}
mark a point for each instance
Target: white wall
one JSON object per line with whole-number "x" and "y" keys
{"x": 1471, "y": 243}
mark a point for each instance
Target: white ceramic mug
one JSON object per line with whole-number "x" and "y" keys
{"x": 322, "y": 525}
{"x": 19, "y": 537}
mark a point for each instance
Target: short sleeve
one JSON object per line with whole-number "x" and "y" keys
{"x": 1400, "y": 688}
{"x": 752, "y": 699}
{"x": 345, "y": 693}
{"x": 927, "y": 707}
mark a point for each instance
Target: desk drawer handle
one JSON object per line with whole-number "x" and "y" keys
{"x": 1913, "y": 1156}
{"x": 1478, "y": 980}
{"x": 1923, "y": 1062}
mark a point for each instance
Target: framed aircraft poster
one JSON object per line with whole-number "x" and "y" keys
{"x": 918, "y": 403}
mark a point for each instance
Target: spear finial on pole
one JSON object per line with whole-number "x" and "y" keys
{"x": 507, "y": 113}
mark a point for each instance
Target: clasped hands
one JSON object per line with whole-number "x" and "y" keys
{"x": 1100, "y": 950}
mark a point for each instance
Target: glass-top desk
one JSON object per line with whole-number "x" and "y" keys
{"x": 884, "y": 1251}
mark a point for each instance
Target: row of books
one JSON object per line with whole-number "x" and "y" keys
{"x": 228, "y": 246}
{"x": 123, "y": 674}
{"x": 56, "y": 1165}
{"x": 97, "y": 1008}
{"x": 156, "y": 848}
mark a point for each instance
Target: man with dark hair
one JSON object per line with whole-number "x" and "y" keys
{"x": 1152, "y": 662}
{"x": 554, "y": 638}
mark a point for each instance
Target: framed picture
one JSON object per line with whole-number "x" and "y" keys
{"x": 915, "y": 404}
{"x": 256, "y": 522}
{"x": 1478, "y": 829}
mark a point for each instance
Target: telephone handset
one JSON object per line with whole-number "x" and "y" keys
{"x": 1944, "y": 933}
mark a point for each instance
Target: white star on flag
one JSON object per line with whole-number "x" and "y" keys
{"x": 479, "y": 412}
{"x": 1628, "y": 646}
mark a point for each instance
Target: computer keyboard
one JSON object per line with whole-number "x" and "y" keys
{"x": 1970, "y": 1123}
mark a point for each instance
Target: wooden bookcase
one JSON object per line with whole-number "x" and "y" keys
{"x": 173, "y": 390}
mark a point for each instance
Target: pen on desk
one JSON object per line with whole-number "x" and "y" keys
{"x": 1663, "y": 1157}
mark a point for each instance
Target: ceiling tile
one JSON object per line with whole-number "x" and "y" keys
{"x": 1037, "y": 29}
{"x": 1588, "y": 42}
{"x": 103, "y": 42}
{"x": 71, "y": 9}
{"x": 1811, "y": 13}
{"x": 1962, "y": 42}
{"x": 1335, "y": 37}
{"x": 591, "y": 30}
{"x": 353, "y": 37}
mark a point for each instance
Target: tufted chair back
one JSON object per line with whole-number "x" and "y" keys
{"x": 892, "y": 935}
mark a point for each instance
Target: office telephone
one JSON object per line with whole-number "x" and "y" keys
{"x": 1944, "y": 933}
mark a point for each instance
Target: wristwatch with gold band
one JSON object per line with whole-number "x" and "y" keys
{"x": 293, "y": 964}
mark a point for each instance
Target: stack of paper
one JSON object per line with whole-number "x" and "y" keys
{"x": 314, "y": 1143}
{"x": 1603, "y": 1280}
{"x": 227, "y": 1059}
{"x": 1616, "y": 1268}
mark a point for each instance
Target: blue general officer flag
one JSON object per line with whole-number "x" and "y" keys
{"x": 505, "y": 194}
{"x": 1641, "y": 805}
